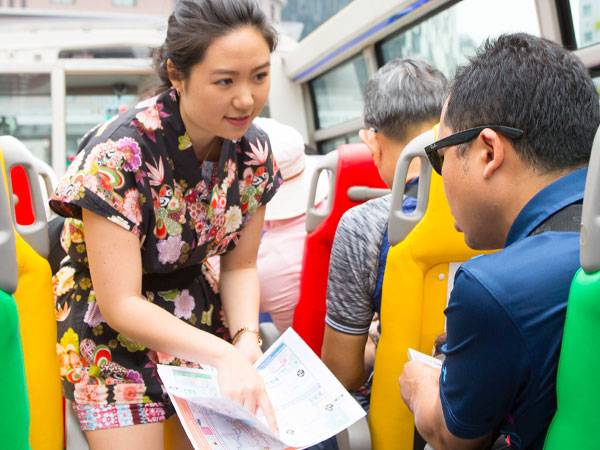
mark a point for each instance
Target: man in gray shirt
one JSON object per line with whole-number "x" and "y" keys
{"x": 402, "y": 100}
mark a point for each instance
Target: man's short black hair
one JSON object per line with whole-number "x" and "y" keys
{"x": 533, "y": 84}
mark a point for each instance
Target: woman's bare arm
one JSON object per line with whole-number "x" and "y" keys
{"x": 240, "y": 292}
{"x": 116, "y": 270}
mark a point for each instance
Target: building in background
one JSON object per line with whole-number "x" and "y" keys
{"x": 301, "y": 17}
{"x": 147, "y": 7}
{"x": 273, "y": 9}
{"x": 67, "y": 65}
{"x": 589, "y": 22}
{"x": 63, "y": 71}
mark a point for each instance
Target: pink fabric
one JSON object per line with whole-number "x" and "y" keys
{"x": 279, "y": 265}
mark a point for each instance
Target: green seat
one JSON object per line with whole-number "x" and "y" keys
{"x": 14, "y": 408}
{"x": 578, "y": 387}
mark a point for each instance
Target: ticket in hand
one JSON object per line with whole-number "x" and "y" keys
{"x": 414, "y": 355}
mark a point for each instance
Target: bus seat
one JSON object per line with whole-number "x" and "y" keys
{"x": 48, "y": 182}
{"x": 35, "y": 305}
{"x": 14, "y": 427}
{"x": 349, "y": 166}
{"x": 578, "y": 392}
{"x": 24, "y": 214}
{"x": 417, "y": 282}
{"x": 29, "y": 207}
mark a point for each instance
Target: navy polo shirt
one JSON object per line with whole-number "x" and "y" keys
{"x": 505, "y": 322}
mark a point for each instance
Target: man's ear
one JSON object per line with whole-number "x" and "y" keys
{"x": 174, "y": 76}
{"x": 369, "y": 137}
{"x": 493, "y": 152}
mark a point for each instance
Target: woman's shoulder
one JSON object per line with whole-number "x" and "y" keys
{"x": 141, "y": 123}
{"x": 254, "y": 148}
{"x": 255, "y": 133}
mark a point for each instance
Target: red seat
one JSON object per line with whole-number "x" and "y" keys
{"x": 24, "y": 213}
{"x": 351, "y": 165}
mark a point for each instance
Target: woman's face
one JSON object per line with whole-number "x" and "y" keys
{"x": 228, "y": 88}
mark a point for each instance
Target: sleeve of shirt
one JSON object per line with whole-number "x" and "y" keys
{"x": 105, "y": 178}
{"x": 350, "y": 282}
{"x": 486, "y": 361}
{"x": 268, "y": 171}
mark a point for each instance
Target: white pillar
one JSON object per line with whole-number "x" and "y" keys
{"x": 286, "y": 103}
{"x": 59, "y": 129}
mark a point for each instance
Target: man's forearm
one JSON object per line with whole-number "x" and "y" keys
{"x": 420, "y": 389}
{"x": 343, "y": 354}
{"x": 429, "y": 418}
{"x": 431, "y": 424}
{"x": 427, "y": 410}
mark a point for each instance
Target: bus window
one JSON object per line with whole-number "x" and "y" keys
{"x": 596, "y": 80}
{"x": 26, "y": 110}
{"x": 332, "y": 144}
{"x": 449, "y": 37}
{"x": 338, "y": 93}
{"x": 586, "y": 21}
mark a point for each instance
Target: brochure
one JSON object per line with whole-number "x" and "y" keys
{"x": 310, "y": 403}
{"x": 415, "y": 355}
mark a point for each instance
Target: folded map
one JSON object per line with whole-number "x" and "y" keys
{"x": 310, "y": 403}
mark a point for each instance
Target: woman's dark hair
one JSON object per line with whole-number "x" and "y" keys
{"x": 195, "y": 24}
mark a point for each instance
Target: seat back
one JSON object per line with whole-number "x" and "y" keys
{"x": 417, "y": 282}
{"x": 35, "y": 305}
{"x": 9, "y": 273}
{"x": 48, "y": 182}
{"x": 349, "y": 166}
{"x": 400, "y": 223}
{"x": 578, "y": 391}
{"x": 29, "y": 205}
{"x": 14, "y": 408}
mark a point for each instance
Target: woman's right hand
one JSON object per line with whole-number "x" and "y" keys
{"x": 239, "y": 381}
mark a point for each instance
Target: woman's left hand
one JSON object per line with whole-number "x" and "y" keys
{"x": 247, "y": 344}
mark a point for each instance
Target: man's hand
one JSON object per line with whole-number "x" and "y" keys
{"x": 420, "y": 390}
{"x": 414, "y": 376}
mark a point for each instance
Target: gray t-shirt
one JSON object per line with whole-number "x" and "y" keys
{"x": 354, "y": 265}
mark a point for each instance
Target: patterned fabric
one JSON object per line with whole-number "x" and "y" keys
{"x": 114, "y": 415}
{"x": 356, "y": 270}
{"x": 353, "y": 266}
{"x": 140, "y": 172}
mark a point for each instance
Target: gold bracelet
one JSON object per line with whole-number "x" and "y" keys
{"x": 243, "y": 330}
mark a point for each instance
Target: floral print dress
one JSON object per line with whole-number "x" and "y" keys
{"x": 140, "y": 172}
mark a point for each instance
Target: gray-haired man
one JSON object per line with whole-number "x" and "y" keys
{"x": 402, "y": 100}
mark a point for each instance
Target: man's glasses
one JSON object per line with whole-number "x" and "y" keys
{"x": 436, "y": 158}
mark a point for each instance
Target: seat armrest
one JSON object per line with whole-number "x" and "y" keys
{"x": 355, "y": 437}
{"x": 269, "y": 334}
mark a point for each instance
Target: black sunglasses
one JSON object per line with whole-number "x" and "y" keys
{"x": 437, "y": 159}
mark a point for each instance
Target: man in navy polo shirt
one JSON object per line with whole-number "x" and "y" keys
{"x": 516, "y": 135}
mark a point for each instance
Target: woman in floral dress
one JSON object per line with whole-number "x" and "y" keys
{"x": 150, "y": 196}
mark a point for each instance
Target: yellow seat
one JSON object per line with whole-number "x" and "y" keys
{"x": 35, "y": 305}
{"x": 416, "y": 286}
